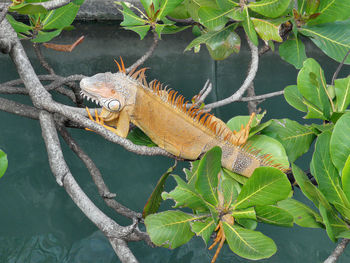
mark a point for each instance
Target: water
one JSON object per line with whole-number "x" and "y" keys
{"x": 39, "y": 222}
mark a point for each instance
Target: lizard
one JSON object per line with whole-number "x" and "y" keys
{"x": 164, "y": 116}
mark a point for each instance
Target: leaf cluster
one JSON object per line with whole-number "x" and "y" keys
{"x": 43, "y": 25}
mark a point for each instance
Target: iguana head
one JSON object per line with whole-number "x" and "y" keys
{"x": 106, "y": 90}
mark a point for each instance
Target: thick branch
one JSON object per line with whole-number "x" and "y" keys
{"x": 247, "y": 82}
{"x": 19, "y": 109}
{"x": 4, "y": 11}
{"x": 337, "y": 251}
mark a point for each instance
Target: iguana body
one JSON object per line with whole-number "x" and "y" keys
{"x": 164, "y": 117}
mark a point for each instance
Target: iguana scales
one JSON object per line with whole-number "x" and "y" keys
{"x": 186, "y": 132}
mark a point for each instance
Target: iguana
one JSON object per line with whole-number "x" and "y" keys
{"x": 186, "y": 132}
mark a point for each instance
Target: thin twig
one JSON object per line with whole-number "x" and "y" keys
{"x": 41, "y": 58}
{"x": 335, "y": 75}
{"x": 96, "y": 176}
{"x": 249, "y": 79}
{"x": 337, "y": 251}
{"x": 262, "y": 97}
{"x": 146, "y": 55}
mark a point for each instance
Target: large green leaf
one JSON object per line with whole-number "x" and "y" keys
{"x": 295, "y": 138}
{"x": 248, "y": 213}
{"x": 269, "y": 8}
{"x": 342, "y": 92}
{"x": 271, "y": 147}
{"x": 303, "y": 215}
{"x": 19, "y": 27}
{"x": 294, "y": 98}
{"x": 340, "y": 142}
{"x": 332, "y": 38}
{"x": 274, "y": 215}
{"x": 266, "y": 186}
{"x": 3, "y": 163}
{"x": 235, "y": 123}
{"x": 325, "y": 173}
{"x": 167, "y": 6}
{"x": 207, "y": 179}
{"x": 211, "y": 18}
{"x": 237, "y": 177}
{"x": 204, "y": 228}
{"x": 229, "y": 188}
{"x": 308, "y": 7}
{"x": 293, "y": 51}
{"x": 210, "y": 36}
{"x": 345, "y": 178}
{"x": 153, "y": 202}
{"x": 267, "y": 29}
{"x": 46, "y": 36}
{"x": 312, "y": 85}
{"x": 248, "y": 243}
{"x": 332, "y": 10}
{"x": 27, "y": 9}
{"x": 249, "y": 27}
{"x": 224, "y": 44}
{"x": 140, "y": 30}
{"x": 60, "y": 17}
{"x": 169, "y": 229}
{"x": 185, "y": 196}
{"x": 193, "y": 6}
{"x": 228, "y": 4}
{"x": 137, "y": 136}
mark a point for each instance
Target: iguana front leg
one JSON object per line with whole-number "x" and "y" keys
{"x": 117, "y": 122}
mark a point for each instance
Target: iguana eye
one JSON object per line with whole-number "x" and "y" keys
{"x": 113, "y": 105}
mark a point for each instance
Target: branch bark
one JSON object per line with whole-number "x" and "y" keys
{"x": 337, "y": 251}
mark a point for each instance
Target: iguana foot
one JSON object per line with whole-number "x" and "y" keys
{"x": 99, "y": 120}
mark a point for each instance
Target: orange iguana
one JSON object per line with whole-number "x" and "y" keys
{"x": 164, "y": 116}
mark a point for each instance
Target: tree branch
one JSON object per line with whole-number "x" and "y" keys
{"x": 335, "y": 75}
{"x": 247, "y": 82}
{"x": 337, "y": 251}
{"x": 146, "y": 55}
{"x": 53, "y": 4}
{"x": 262, "y": 97}
{"x": 4, "y": 11}
{"x": 42, "y": 60}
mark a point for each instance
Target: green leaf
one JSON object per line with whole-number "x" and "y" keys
{"x": 19, "y": 27}
{"x": 249, "y": 27}
{"x": 326, "y": 174}
{"x": 191, "y": 175}
{"x": 313, "y": 112}
{"x": 342, "y": 92}
{"x": 193, "y": 6}
{"x": 185, "y": 196}
{"x": 28, "y": 9}
{"x": 248, "y": 243}
{"x": 167, "y": 6}
{"x": 332, "y": 10}
{"x": 207, "y": 179}
{"x": 274, "y": 215}
{"x": 294, "y": 137}
{"x": 204, "y": 228}
{"x": 267, "y": 29}
{"x": 345, "y": 178}
{"x": 272, "y": 147}
{"x": 46, "y": 36}
{"x": 312, "y": 85}
{"x": 294, "y": 98}
{"x": 247, "y": 223}
{"x": 211, "y": 18}
{"x": 303, "y": 215}
{"x": 169, "y": 229}
{"x": 266, "y": 186}
{"x": 172, "y": 29}
{"x": 326, "y": 222}
{"x": 153, "y": 202}
{"x": 319, "y": 128}
{"x": 140, "y": 30}
{"x": 293, "y": 51}
{"x": 224, "y": 44}
{"x": 229, "y": 187}
{"x": 236, "y": 122}
{"x": 270, "y": 8}
{"x": 226, "y": 5}
{"x": 130, "y": 18}
{"x": 3, "y": 163}
{"x": 60, "y": 17}
{"x": 237, "y": 177}
{"x": 207, "y": 37}
{"x": 308, "y": 6}
{"x": 248, "y": 213}
{"x": 138, "y": 137}
{"x": 340, "y": 142}
{"x": 332, "y": 38}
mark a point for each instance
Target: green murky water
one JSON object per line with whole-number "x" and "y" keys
{"x": 39, "y": 222}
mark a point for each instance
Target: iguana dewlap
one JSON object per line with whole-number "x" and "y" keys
{"x": 184, "y": 132}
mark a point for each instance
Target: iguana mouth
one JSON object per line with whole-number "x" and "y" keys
{"x": 89, "y": 96}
